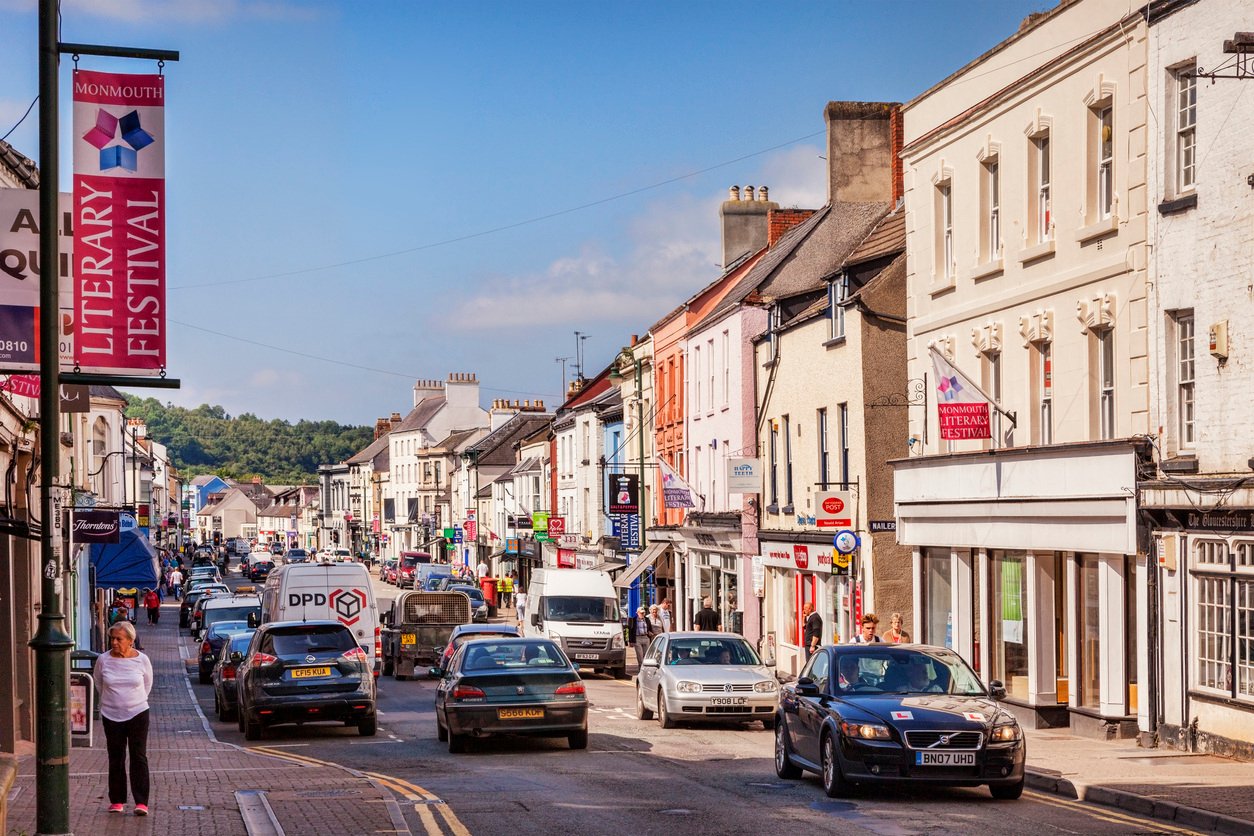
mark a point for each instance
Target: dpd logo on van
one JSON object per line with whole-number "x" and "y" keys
{"x": 348, "y": 604}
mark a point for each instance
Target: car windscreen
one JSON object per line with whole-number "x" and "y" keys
{"x": 238, "y": 642}
{"x": 911, "y": 672}
{"x": 409, "y": 562}
{"x": 241, "y": 613}
{"x": 475, "y": 594}
{"x": 579, "y": 608}
{"x": 291, "y": 641}
{"x": 711, "y": 651}
{"x": 458, "y": 641}
{"x": 538, "y": 653}
{"x": 222, "y": 628}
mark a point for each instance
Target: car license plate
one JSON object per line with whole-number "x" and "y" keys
{"x": 408, "y": 638}
{"x": 587, "y": 657}
{"x": 729, "y": 701}
{"x": 944, "y": 758}
{"x": 520, "y": 713}
{"x": 309, "y": 673}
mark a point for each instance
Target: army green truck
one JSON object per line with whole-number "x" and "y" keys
{"x": 417, "y": 628}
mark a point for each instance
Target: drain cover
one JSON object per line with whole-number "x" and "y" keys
{"x": 191, "y": 807}
{"x": 678, "y": 811}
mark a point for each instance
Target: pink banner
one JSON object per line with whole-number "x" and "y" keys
{"x": 119, "y": 222}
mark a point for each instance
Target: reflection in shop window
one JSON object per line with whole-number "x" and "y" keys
{"x": 1089, "y": 630}
{"x": 1009, "y": 627}
{"x": 938, "y": 587}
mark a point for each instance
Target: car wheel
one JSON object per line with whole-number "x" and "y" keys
{"x": 239, "y": 717}
{"x": 456, "y": 742}
{"x": 834, "y": 783}
{"x": 1007, "y": 792}
{"x": 441, "y": 733}
{"x": 784, "y": 767}
{"x": 663, "y": 716}
{"x": 368, "y": 727}
{"x": 768, "y": 723}
{"x": 387, "y": 666}
{"x": 642, "y": 710}
{"x": 204, "y": 679}
{"x": 578, "y": 740}
{"x": 252, "y": 728}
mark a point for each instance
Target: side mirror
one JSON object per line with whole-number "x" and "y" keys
{"x": 649, "y": 663}
{"x": 200, "y": 634}
{"x": 535, "y": 620}
{"x": 237, "y": 657}
{"x": 435, "y": 673}
{"x": 997, "y": 689}
{"x": 575, "y": 665}
{"x": 254, "y": 620}
{"x": 806, "y": 687}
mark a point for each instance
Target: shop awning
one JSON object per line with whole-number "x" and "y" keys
{"x": 647, "y": 558}
{"x": 609, "y": 566}
{"x": 129, "y": 563}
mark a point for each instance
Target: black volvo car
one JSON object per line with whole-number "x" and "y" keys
{"x": 879, "y": 713}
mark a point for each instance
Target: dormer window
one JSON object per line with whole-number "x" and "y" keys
{"x": 837, "y": 293}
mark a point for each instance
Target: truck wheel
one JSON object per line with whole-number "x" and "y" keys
{"x": 387, "y": 666}
{"x": 620, "y": 673}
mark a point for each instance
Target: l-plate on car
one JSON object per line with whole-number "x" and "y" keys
{"x": 896, "y": 714}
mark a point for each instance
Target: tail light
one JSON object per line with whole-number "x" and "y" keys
{"x": 205, "y": 647}
{"x": 468, "y": 692}
{"x": 570, "y": 689}
{"x": 264, "y": 659}
{"x": 355, "y": 655}
{"x": 228, "y": 672}
{"x": 378, "y": 647}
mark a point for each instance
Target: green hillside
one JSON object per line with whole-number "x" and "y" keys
{"x": 208, "y": 440}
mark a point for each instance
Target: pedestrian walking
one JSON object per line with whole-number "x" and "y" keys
{"x": 813, "y": 635}
{"x": 707, "y": 618}
{"x": 124, "y": 679}
{"x": 483, "y": 570}
{"x": 176, "y": 583}
{"x": 152, "y": 602}
{"x": 520, "y": 608}
{"x": 894, "y": 634}
{"x": 640, "y": 633}
{"x": 870, "y": 623}
{"x": 509, "y": 591}
{"x": 656, "y": 627}
{"x": 668, "y": 617}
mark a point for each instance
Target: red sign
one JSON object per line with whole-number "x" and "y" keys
{"x": 557, "y": 526}
{"x": 801, "y": 556}
{"x": 119, "y": 222}
{"x": 835, "y": 509}
{"x": 471, "y": 529}
{"x": 566, "y": 558}
{"x": 959, "y": 421}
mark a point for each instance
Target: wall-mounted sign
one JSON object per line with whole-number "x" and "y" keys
{"x": 95, "y": 526}
{"x": 883, "y": 525}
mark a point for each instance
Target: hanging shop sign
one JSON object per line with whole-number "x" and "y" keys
{"x": 834, "y": 509}
{"x": 540, "y": 525}
{"x": 744, "y": 475}
{"x": 119, "y": 223}
{"x": 95, "y": 526}
{"x": 624, "y": 493}
{"x": 626, "y": 527}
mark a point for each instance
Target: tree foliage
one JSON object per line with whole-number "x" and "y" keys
{"x": 208, "y": 440}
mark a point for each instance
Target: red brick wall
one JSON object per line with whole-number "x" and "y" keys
{"x": 895, "y": 129}
{"x": 780, "y": 221}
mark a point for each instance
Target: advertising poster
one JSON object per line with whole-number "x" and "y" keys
{"x": 20, "y": 339}
{"x": 119, "y": 222}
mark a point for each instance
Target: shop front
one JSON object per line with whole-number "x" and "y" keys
{"x": 797, "y": 572}
{"x": 1026, "y": 563}
{"x": 719, "y": 568}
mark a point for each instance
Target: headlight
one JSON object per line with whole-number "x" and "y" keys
{"x": 866, "y": 731}
{"x": 686, "y": 687}
{"x": 556, "y": 637}
{"x": 1008, "y": 732}
{"x": 766, "y": 686}
{"x": 616, "y": 643}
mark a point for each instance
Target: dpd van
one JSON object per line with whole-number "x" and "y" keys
{"x": 326, "y": 591}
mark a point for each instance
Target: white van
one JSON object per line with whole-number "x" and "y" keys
{"x": 578, "y": 608}
{"x": 321, "y": 591}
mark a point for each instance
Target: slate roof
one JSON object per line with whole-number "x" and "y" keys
{"x": 370, "y": 451}
{"x": 421, "y": 415}
{"x": 888, "y": 237}
{"x": 22, "y": 166}
{"x": 497, "y": 447}
{"x": 834, "y": 238}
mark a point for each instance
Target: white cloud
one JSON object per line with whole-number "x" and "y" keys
{"x": 674, "y": 251}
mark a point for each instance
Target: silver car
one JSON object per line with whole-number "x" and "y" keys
{"x": 704, "y": 676}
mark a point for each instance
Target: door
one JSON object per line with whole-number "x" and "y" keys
{"x": 650, "y": 673}
{"x": 811, "y": 711}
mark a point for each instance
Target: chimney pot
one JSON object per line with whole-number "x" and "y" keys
{"x": 635, "y": 338}
{"x": 762, "y": 194}
{"x": 733, "y": 193}
{"x": 749, "y": 193}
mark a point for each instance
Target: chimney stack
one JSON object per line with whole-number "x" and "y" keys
{"x": 744, "y": 222}
{"x": 862, "y": 155}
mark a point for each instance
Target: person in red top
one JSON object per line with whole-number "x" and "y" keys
{"x": 152, "y": 601}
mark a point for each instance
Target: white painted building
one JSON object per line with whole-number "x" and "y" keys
{"x": 1026, "y": 213}
{"x": 1198, "y": 613}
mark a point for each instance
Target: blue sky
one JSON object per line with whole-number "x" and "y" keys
{"x": 364, "y": 194}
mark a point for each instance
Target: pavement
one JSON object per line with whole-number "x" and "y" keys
{"x": 202, "y": 786}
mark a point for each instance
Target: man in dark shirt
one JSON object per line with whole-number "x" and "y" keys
{"x": 813, "y": 635}
{"x": 706, "y": 618}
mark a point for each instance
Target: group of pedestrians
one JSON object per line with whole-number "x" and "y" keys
{"x": 812, "y": 632}
{"x": 649, "y": 623}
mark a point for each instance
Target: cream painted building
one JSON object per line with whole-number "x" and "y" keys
{"x": 1026, "y": 213}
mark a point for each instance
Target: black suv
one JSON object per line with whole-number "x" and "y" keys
{"x": 304, "y": 672}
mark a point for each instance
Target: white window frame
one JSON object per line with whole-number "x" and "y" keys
{"x": 1045, "y": 380}
{"x": 947, "y": 228}
{"x": 1221, "y": 579}
{"x": 1105, "y": 380}
{"x": 695, "y": 367}
{"x": 1186, "y": 129}
{"x": 1186, "y": 367}
{"x": 709, "y": 377}
{"x": 726, "y": 368}
{"x": 837, "y": 292}
{"x": 843, "y": 416}
{"x": 1044, "y": 219}
{"x": 825, "y": 452}
{"x": 1105, "y": 160}
{"x": 992, "y": 174}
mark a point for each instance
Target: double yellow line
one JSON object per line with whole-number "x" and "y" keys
{"x": 1108, "y": 815}
{"x": 423, "y": 800}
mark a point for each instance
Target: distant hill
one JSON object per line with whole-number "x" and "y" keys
{"x": 207, "y": 440}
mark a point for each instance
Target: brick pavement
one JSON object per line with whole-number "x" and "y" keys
{"x": 194, "y": 776}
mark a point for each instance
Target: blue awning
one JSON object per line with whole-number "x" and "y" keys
{"x": 130, "y": 563}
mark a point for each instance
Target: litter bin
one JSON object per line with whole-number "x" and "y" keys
{"x": 488, "y": 585}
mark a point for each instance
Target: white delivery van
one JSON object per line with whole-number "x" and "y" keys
{"x": 321, "y": 591}
{"x": 578, "y": 609}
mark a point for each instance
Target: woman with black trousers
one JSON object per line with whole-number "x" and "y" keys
{"x": 124, "y": 677}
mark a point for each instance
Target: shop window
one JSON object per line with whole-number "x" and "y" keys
{"x": 1089, "y": 630}
{"x": 1009, "y": 617}
{"x": 1222, "y": 583}
{"x": 938, "y": 566}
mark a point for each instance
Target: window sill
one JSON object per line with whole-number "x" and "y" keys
{"x": 1179, "y": 204}
{"x": 941, "y": 284}
{"x": 787, "y": 511}
{"x": 1037, "y": 251}
{"x": 1102, "y": 228}
{"x": 772, "y": 509}
{"x": 988, "y": 270}
{"x": 833, "y": 342}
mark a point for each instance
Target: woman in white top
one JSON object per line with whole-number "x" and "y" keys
{"x": 124, "y": 677}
